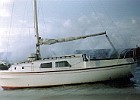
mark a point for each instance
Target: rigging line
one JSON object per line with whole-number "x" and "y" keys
{"x": 3, "y": 5}
{"x": 42, "y": 18}
{"x": 1, "y": 34}
{"x": 40, "y": 10}
{"x": 110, "y": 18}
{"x": 53, "y": 53}
{"x": 24, "y": 13}
{"x": 104, "y": 28}
{"x": 84, "y": 29}
{"x": 22, "y": 27}
{"x": 11, "y": 18}
{"x": 28, "y": 26}
{"x": 38, "y": 14}
{"x": 41, "y": 7}
{"x": 10, "y": 27}
{"x": 99, "y": 20}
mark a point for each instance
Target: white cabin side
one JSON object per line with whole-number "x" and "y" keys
{"x": 53, "y": 63}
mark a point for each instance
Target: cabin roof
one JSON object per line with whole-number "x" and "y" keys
{"x": 50, "y": 59}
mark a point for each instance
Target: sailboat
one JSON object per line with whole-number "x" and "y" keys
{"x": 63, "y": 70}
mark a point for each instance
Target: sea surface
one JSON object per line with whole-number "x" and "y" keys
{"x": 115, "y": 90}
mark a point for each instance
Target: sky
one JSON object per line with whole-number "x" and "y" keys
{"x": 64, "y": 18}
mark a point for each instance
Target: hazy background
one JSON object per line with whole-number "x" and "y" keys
{"x": 63, "y": 18}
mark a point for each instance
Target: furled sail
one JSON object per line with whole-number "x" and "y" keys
{"x": 53, "y": 41}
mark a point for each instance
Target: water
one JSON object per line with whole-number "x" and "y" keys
{"x": 95, "y": 91}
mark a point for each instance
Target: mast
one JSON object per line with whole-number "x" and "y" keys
{"x": 36, "y": 30}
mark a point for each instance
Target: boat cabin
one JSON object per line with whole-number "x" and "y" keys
{"x": 51, "y": 63}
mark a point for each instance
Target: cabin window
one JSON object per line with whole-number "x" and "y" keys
{"x": 22, "y": 68}
{"x": 46, "y": 65}
{"x": 62, "y": 64}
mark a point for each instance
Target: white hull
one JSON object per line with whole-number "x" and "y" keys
{"x": 9, "y": 80}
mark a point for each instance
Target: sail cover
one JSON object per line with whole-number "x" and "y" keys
{"x": 53, "y": 41}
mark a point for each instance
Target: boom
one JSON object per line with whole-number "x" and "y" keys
{"x": 53, "y": 41}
